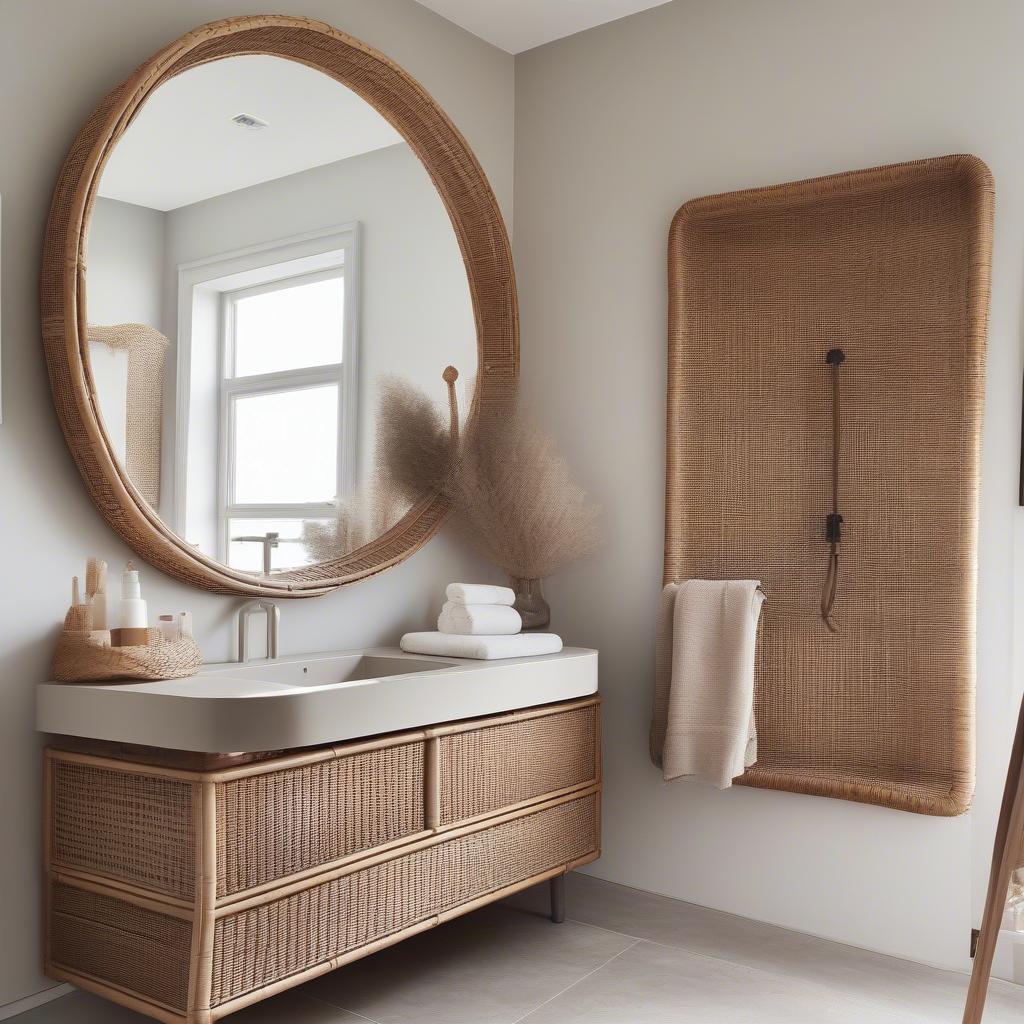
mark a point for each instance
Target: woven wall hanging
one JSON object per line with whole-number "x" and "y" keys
{"x": 825, "y": 388}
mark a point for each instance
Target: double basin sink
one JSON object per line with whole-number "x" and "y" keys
{"x": 309, "y": 700}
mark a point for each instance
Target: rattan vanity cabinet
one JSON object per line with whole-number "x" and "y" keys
{"x": 188, "y": 894}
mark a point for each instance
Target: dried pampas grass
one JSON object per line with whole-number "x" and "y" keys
{"x": 367, "y": 515}
{"x": 413, "y": 458}
{"x": 514, "y": 501}
{"x": 414, "y": 441}
{"x": 512, "y": 497}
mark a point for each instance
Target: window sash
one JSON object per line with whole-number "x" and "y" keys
{"x": 233, "y": 297}
{"x": 276, "y": 382}
{"x": 235, "y": 526}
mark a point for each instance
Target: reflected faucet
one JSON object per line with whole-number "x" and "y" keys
{"x": 269, "y": 542}
{"x": 273, "y": 614}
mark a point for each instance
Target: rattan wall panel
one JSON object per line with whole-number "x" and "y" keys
{"x": 124, "y": 826}
{"x": 892, "y": 265}
{"x": 262, "y": 945}
{"x": 483, "y": 770}
{"x": 120, "y": 943}
{"x": 279, "y": 823}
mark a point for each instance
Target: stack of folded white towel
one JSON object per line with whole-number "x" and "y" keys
{"x": 478, "y": 621}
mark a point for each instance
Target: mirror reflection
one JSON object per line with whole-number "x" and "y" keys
{"x": 264, "y": 248}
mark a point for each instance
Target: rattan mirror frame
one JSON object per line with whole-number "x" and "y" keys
{"x": 463, "y": 188}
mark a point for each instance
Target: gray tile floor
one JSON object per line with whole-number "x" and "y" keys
{"x": 623, "y": 957}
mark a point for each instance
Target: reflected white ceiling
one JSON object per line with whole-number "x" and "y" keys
{"x": 517, "y": 25}
{"x": 183, "y": 146}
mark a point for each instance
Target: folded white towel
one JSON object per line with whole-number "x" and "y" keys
{"x": 703, "y": 721}
{"x": 479, "y": 619}
{"x": 479, "y": 593}
{"x": 483, "y": 648}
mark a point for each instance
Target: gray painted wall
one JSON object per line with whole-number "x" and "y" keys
{"x": 58, "y": 58}
{"x": 125, "y": 258}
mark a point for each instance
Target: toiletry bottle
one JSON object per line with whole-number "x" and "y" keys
{"x": 132, "y": 617}
{"x": 96, "y": 586}
{"x": 184, "y": 624}
{"x": 79, "y": 616}
{"x": 168, "y": 628}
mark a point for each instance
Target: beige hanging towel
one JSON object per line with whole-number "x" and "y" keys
{"x": 703, "y": 723}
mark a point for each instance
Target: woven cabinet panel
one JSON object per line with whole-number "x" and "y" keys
{"x": 275, "y": 824}
{"x": 262, "y": 945}
{"x": 892, "y": 266}
{"x": 124, "y": 826}
{"x": 121, "y": 944}
{"x": 486, "y": 769}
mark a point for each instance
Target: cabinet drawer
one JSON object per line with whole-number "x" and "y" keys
{"x": 503, "y": 763}
{"x": 277, "y": 823}
{"x": 123, "y": 826}
{"x": 117, "y": 942}
{"x": 329, "y": 919}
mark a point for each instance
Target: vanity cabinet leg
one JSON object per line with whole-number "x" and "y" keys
{"x": 558, "y": 899}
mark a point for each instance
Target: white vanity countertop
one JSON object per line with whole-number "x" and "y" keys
{"x": 311, "y": 699}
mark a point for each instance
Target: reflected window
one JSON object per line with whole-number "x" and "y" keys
{"x": 253, "y": 546}
{"x": 282, "y": 415}
{"x": 288, "y": 325}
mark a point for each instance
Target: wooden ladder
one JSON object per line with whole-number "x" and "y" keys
{"x": 1005, "y": 856}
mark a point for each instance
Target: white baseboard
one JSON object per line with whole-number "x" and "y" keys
{"x": 31, "y": 1002}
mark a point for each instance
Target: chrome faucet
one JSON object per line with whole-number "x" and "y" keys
{"x": 273, "y": 614}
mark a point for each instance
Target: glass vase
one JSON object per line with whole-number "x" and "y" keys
{"x": 533, "y": 609}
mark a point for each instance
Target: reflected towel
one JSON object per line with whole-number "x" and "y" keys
{"x": 479, "y": 619}
{"x": 479, "y": 593}
{"x": 703, "y": 722}
{"x": 483, "y": 648}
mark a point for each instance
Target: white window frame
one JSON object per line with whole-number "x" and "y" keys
{"x": 268, "y": 265}
{"x": 233, "y": 387}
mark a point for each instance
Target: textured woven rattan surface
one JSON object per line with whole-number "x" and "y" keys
{"x": 892, "y": 265}
{"x": 147, "y": 349}
{"x": 284, "y": 822}
{"x": 483, "y": 770}
{"x": 124, "y": 826}
{"x": 123, "y": 944}
{"x": 249, "y": 878}
{"x": 80, "y": 658}
{"x": 328, "y": 920}
{"x": 463, "y": 188}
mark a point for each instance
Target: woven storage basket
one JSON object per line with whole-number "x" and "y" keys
{"x": 80, "y": 658}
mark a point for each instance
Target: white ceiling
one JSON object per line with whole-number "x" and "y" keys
{"x": 183, "y": 146}
{"x": 517, "y": 25}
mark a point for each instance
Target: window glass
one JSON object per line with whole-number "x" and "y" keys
{"x": 247, "y": 556}
{"x": 290, "y": 327}
{"x": 286, "y": 446}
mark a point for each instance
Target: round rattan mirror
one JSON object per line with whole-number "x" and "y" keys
{"x": 266, "y": 400}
